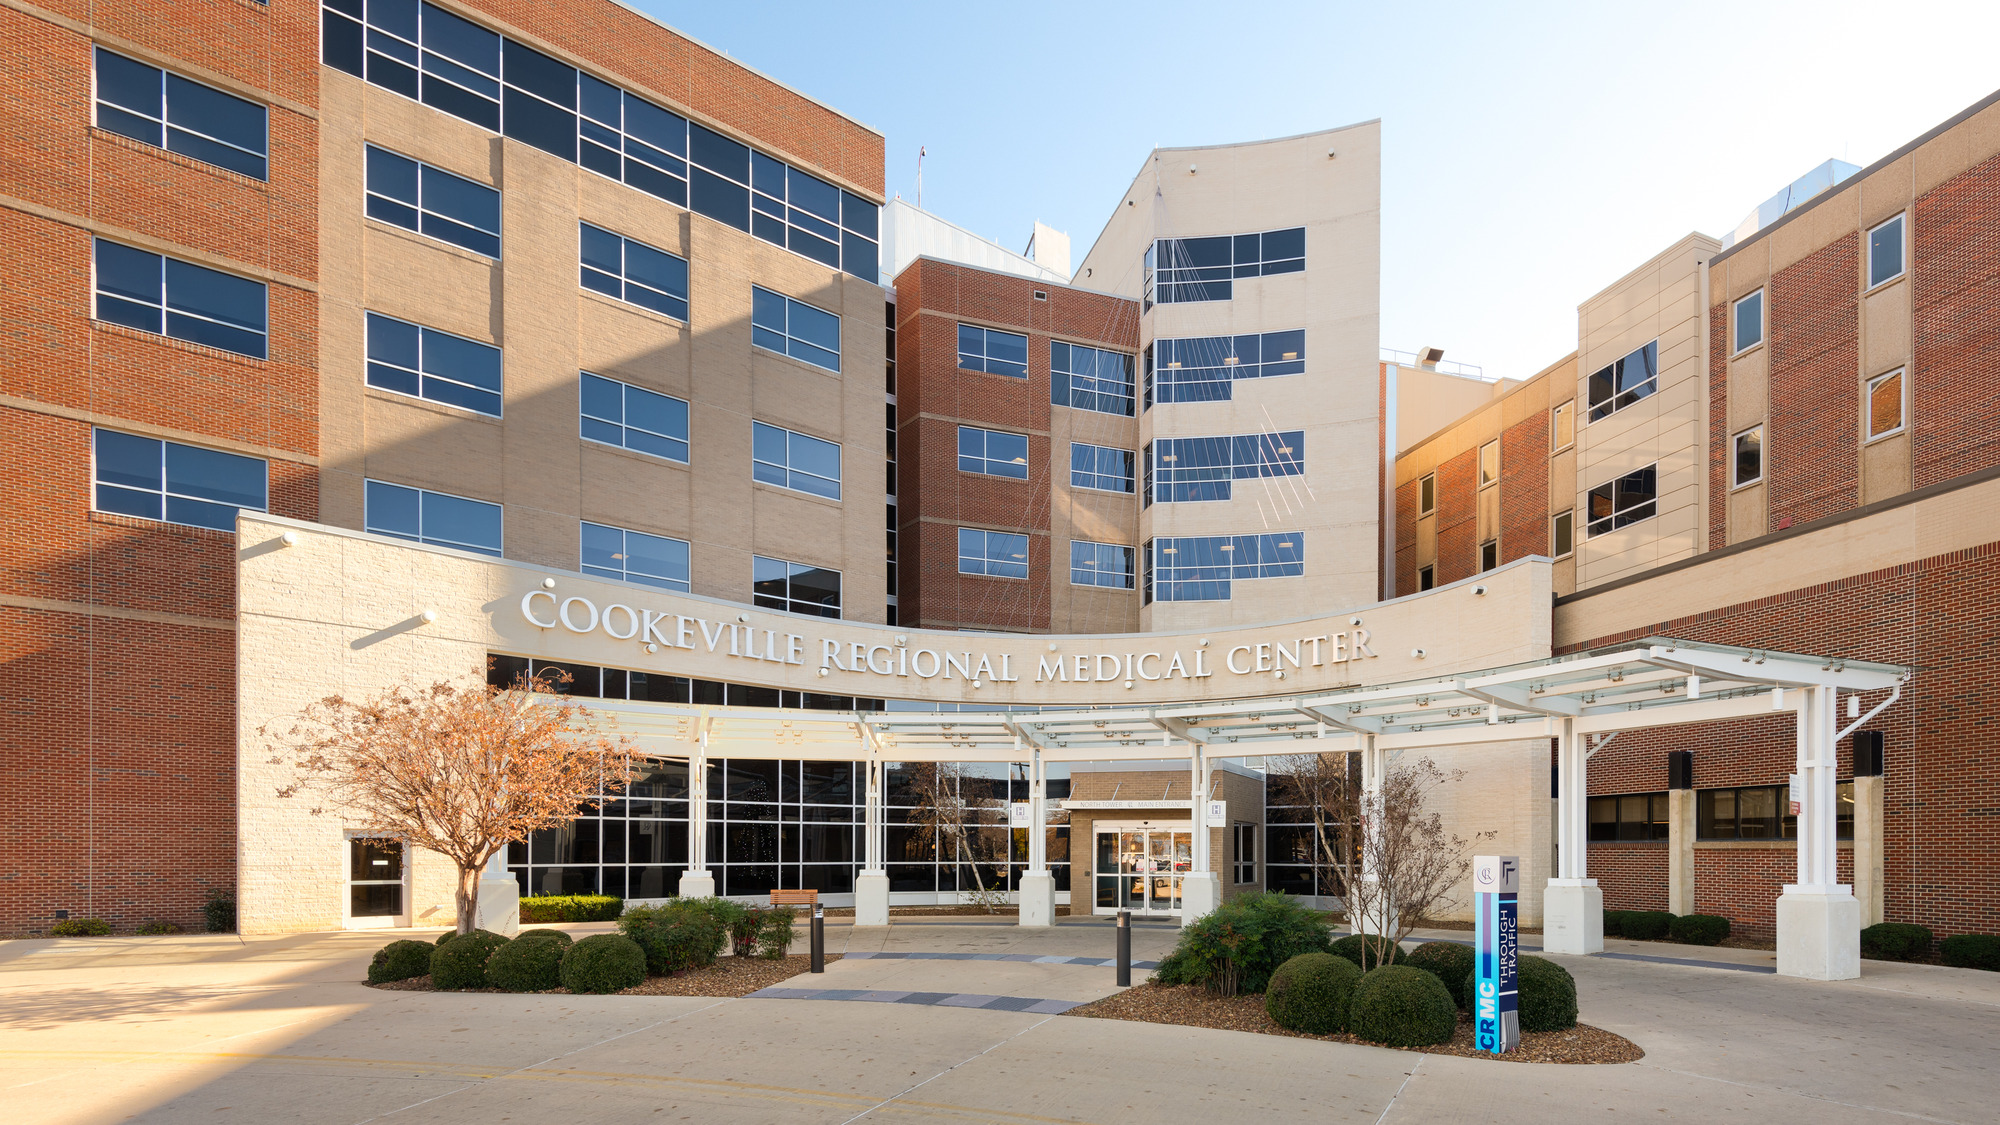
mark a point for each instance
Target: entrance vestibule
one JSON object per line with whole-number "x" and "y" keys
{"x": 1140, "y": 865}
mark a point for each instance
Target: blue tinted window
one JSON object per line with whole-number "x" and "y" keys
{"x": 165, "y": 295}
{"x": 1204, "y": 269}
{"x": 633, "y": 556}
{"x": 1100, "y": 564}
{"x": 159, "y": 108}
{"x": 992, "y": 453}
{"x": 1100, "y": 467}
{"x": 794, "y": 328}
{"x": 165, "y": 480}
{"x": 794, "y": 460}
{"x": 431, "y": 201}
{"x": 794, "y": 587}
{"x": 425, "y": 362}
{"x": 634, "y": 418}
{"x": 437, "y": 518}
{"x": 1201, "y": 568}
{"x": 1202, "y": 468}
{"x": 1625, "y": 382}
{"x": 1202, "y": 369}
{"x": 988, "y": 349}
{"x": 1749, "y": 321}
{"x": 997, "y": 554}
{"x": 1090, "y": 378}
{"x": 632, "y": 271}
{"x": 1627, "y": 500}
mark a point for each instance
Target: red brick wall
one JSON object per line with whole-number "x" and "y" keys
{"x": 1457, "y": 518}
{"x": 1955, "y": 279}
{"x": 933, "y": 397}
{"x": 1632, "y": 875}
{"x": 1524, "y": 488}
{"x": 1408, "y": 496}
{"x": 1719, "y": 452}
{"x": 1811, "y": 461}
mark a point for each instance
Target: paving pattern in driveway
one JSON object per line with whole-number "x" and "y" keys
{"x": 278, "y": 1029}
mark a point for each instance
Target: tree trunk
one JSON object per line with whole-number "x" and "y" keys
{"x": 468, "y": 897}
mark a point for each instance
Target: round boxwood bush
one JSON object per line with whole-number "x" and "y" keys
{"x": 1895, "y": 941}
{"x": 1311, "y": 993}
{"x": 552, "y": 935}
{"x": 1645, "y": 925}
{"x": 1449, "y": 960}
{"x": 1358, "y": 949}
{"x": 446, "y": 936}
{"x": 1699, "y": 929}
{"x": 603, "y": 963}
{"x": 1401, "y": 1006}
{"x": 1614, "y": 922}
{"x": 527, "y": 964}
{"x": 1545, "y": 995}
{"x": 1972, "y": 951}
{"x": 461, "y": 962}
{"x": 400, "y": 960}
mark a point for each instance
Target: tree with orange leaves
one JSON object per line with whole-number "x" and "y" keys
{"x": 458, "y": 770}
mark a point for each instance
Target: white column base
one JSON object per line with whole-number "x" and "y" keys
{"x": 499, "y": 909}
{"x": 1201, "y": 893}
{"x": 696, "y": 884}
{"x": 1038, "y": 900}
{"x": 1819, "y": 933}
{"x": 871, "y": 898}
{"x": 1572, "y": 916}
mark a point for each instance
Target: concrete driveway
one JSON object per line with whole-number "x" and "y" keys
{"x": 212, "y": 1028}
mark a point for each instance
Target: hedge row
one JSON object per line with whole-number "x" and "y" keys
{"x": 1407, "y": 1004}
{"x": 571, "y": 908}
{"x": 1651, "y": 925}
{"x": 535, "y": 961}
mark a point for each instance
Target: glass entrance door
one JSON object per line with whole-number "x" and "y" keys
{"x": 1140, "y": 869}
{"x": 375, "y": 890}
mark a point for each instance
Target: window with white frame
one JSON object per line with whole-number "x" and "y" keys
{"x": 1090, "y": 378}
{"x": 1427, "y": 495}
{"x": 165, "y": 480}
{"x": 992, "y": 453}
{"x": 1885, "y": 252}
{"x": 1562, "y": 534}
{"x": 1747, "y": 458}
{"x": 436, "y": 518}
{"x": 1885, "y": 404}
{"x": 1618, "y": 385}
{"x": 632, "y": 271}
{"x": 1562, "y": 426}
{"x": 1100, "y": 564}
{"x": 1748, "y": 322}
{"x": 993, "y": 351}
{"x": 430, "y": 363}
{"x": 1624, "y": 501}
{"x": 433, "y": 202}
{"x": 794, "y": 587}
{"x": 794, "y": 460}
{"x": 804, "y": 332}
{"x": 162, "y": 109}
{"x": 1426, "y": 578}
{"x": 634, "y": 556}
{"x": 1489, "y": 463}
{"x": 1100, "y": 467}
{"x": 632, "y": 417}
{"x": 996, "y": 554}
{"x": 1489, "y": 555}
{"x": 168, "y": 297}
{"x": 1245, "y": 853}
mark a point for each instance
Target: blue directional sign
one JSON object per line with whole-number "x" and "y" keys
{"x": 1496, "y": 898}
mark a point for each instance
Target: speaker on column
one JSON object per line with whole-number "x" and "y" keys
{"x": 1868, "y": 753}
{"x": 1680, "y": 769}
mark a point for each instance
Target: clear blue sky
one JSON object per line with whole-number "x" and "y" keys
{"x": 1533, "y": 152}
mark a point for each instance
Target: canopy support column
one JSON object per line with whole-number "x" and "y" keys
{"x": 1572, "y": 904}
{"x": 1038, "y": 887}
{"x": 1378, "y": 918}
{"x": 1201, "y": 889}
{"x": 871, "y": 885}
{"x": 1819, "y": 919}
{"x": 697, "y": 881}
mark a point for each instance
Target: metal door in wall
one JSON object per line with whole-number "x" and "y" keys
{"x": 1139, "y": 867}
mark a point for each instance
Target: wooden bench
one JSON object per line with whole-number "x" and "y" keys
{"x": 794, "y": 898}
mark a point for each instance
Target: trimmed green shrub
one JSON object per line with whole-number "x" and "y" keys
{"x": 552, "y": 935}
{"x": 1356, "y": 948}
{"x": 603, "y": 963}
{"x": 1402, "y": 1006}
{"x": 1546, "y": 995}
{"x": 1312, "y": 993}
{"x": 219, "y": 914}
{"x": 154, "y": 929}
{"x": 460, "y": 963}
{"x": 572, "y": 908}
{"x": 1895, "y": 941}
{"x": 400, "y": 960}
{"x": 446, "y": 936}
{"x": 1238, "y": 945}
{"x": 527, "y": 964}
{"x": 680, "y": 935}
{"x": 774, "y": 933}
{"x": 1645, "y": 925}
{"x": 742, "y": 923}
{"x": 1449, "y": 960}
{"x": 1698, "y": 929}
{"x": 1614, "y": 922}
{"x": 1972, "y": 951}
{"x": 81, "y": 927}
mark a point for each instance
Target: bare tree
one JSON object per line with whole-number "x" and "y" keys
{"x": 1329, "y": 785}
{"x": 457, "y": 770}
{"x": 1410, "y": 865}
{"x": 944, "y": 814}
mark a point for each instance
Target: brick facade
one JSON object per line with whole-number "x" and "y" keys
{"x": 1524, "y": 488}
{"x": 1955, "y": 277}
{"x": 1811, "y": 458}
{"x": 1457, "y": 518}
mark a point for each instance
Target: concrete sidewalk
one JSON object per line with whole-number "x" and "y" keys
{"x": 208, "y": 1028}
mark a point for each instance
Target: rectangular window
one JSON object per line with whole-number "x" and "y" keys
{"x": 633, "y": 418}
{"x": 433, "y": 202}
{"x": 1205, "y": 269}
{"x": 1885, "y": 252}
{"x": 1763, "y": 812}
{"x": 437, "y": 518}
{"x": 1426, "y": 578}
{"x": 1427, "y": 495}
{"x": 1885, "y": 404}
{"x": 996, "y": 554}
{"x": 634, "y": 272}
{"x": 1200, "y": 568}
{"x": 1562, "y": 426}
{"x": 633, "y": 556}
{"x": 169, "y": 297}
{"x": 167, "y": 111}
{"x": 1489, "y": 463}
{"x": 1630, "y": 816}
{"x": 1748, "y": 461}
{"x": 1562, "y": 533}
{"x": 991, "y": 350}
{"x": 427, "y": 363}
{"x": 1100, "y": 564}
{"x": 794, "y": 328}
{"x": 795, "y": 461}
{"x": 1626, "y": 500}
{"x": 1748, "y": 324}
{"x": 1100, "y": 467}
{"x": 794, "y": 587}
{"x": 1489, "y": 555}
{"x": 1625, "y": 382}
{"x": 1204, "y": 369}
{"x": 992, "y": 453}
{"x": 1180, "y": 470}
{"x": 165, "y": 480}
{"x": 1090, "y": 378}
{"x": 1246, "y": 853}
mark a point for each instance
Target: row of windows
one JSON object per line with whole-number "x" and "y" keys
{"x": 1205, "y": 368}
{"x": 1192, "y": 568}
{"x": 1205, "y": 468}
{"x": 1204, "y": 269}
{"x": 1881, "y": 415}
{"x": 425, "y": 53}
{"x": 1759, "y": 812}
{"x": 1886, "y": 262}
{"x": 1084, "y": 378}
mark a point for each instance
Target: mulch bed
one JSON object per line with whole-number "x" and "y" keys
{"x": 729, "y": 976}
{"x": 1193, "y": 1006}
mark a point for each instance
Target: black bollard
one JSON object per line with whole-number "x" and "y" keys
{"x": 819, "y": 938}
{"x": 1124, "y": 949}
